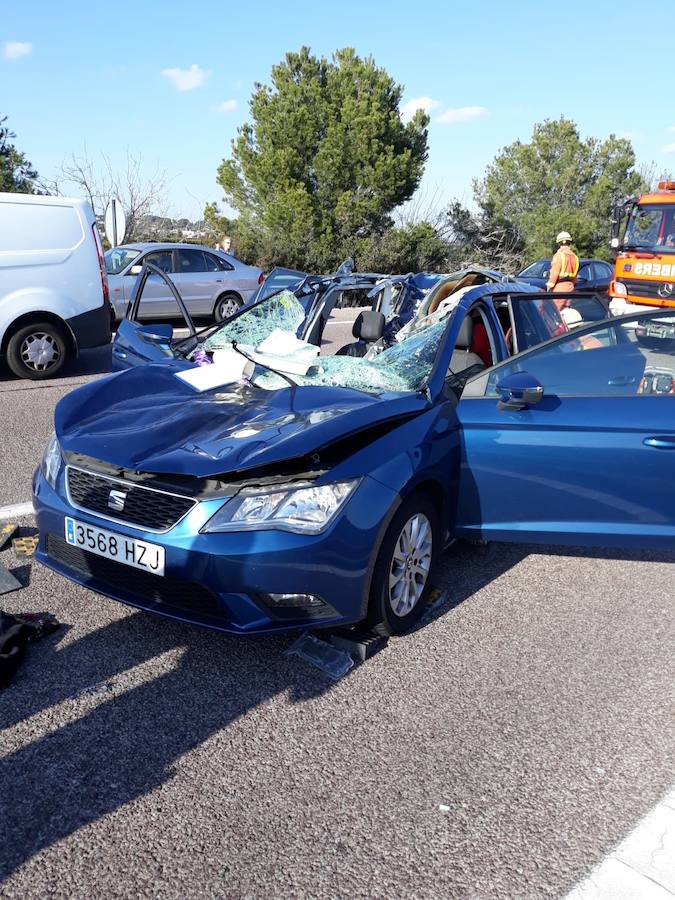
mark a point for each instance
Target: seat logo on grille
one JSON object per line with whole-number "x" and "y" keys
{"x": 116, "y": 500}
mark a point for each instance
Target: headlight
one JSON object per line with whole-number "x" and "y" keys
{"x": 305, "y": 509}
{"x": 51, "y": 461}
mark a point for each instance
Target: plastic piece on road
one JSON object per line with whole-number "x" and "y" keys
{"x": 8, "y": 582}
{"x": 15, "y": 633}
{"x": 7, "y": 532}
{"x": 25, "y": 546}
{"x": 333, "y": 662}
{"x": 361, "y": 645}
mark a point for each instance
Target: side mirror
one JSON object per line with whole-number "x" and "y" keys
{"x": 135, "y": 270}
{"x": 518, "y": 391}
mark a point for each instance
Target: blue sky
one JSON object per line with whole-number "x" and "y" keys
{"x": 172, "y": 80}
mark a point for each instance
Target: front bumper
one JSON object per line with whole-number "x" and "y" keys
{"x": 223, "y": 581}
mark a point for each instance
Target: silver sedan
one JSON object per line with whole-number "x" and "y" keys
{"x": 211, "y": 283}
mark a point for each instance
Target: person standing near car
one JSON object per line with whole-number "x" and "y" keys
{"x": 226, "y": 244}
{"x": 564, "y": 267}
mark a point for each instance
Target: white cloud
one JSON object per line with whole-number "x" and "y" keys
{"x": 462, "y": 114}
{"x": 408, "y": 110}
{"x": 16, "y": 49}
{"x": 671, "y": 129}
{"x": 227, "y": 106}
{"x": 187, "y": 79}
{"x": 669, "y": 148}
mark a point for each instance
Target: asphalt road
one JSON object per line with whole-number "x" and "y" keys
{"x": 499, "y": 751}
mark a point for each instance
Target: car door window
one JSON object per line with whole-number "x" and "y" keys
{"x": 536, "y": 320}
{"x": 584, "y": 274}
{"x": 216, "y": 264}
{"x": 160, "y": 258}
{"x": 191, "y": 261}
{"x": 538, "y": 269}
{"x": 601, "y": 271}
{"x": 612, "y": 359}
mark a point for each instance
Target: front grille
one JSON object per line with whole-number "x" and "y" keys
{"x": 143, "y": 506}
{"x": 183, "y": 596}
{"x": 648, "y": 290}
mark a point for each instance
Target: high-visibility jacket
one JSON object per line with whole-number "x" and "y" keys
{"x": 564, "y": 267}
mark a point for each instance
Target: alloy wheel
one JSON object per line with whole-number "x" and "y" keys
{"x": 227, "y": 307}
{"x": 410, "y": 564}
{"x": 40, "y": 351}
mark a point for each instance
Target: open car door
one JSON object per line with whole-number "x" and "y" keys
{"x": 137, "y": 344}
{"x": 573, "y": 442}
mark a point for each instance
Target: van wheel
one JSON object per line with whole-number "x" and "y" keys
{"x": 401, "y": 578}
{"x": 226, "y": 306}
{"x": 38, "y": 351}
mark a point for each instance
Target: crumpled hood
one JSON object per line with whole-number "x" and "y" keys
{"x": 147, "y": 420}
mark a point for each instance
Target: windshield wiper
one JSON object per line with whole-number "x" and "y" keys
{"x": 256, "y": 362}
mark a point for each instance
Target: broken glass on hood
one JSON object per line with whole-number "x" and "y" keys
{"x": 282, "y": 311}
{"x": 402, "y": 368}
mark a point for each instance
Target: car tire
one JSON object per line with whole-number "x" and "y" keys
{"x": 402, "y": 575}
{"x": 226, "y": 306}
{"x": 38, "y": 351}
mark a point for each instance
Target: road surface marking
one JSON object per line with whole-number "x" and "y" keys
{"x": 642, "y": 867}
{"x": 17, "y": 511}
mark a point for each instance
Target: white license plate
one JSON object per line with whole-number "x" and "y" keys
{"x": 139, "y": 554}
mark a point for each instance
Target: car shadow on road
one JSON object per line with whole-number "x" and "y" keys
{"x": 467, "y": 567}
{"x": 130, "y": 742}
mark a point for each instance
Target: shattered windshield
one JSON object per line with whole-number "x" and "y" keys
{"x": 402, "y": 368}
{"x": 282, "y": 312}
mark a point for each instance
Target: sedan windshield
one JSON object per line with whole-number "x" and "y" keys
{"x": 272, "y": 331}
{"x": 117, "y": 259}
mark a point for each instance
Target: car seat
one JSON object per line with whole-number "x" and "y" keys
{"x": 368, "y": 328}
{"x": 463, "y": 356}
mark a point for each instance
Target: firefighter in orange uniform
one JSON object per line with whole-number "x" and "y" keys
{"x": 564, "y": 268}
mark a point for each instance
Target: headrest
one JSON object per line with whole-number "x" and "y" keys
{"x": 369, "y": 325}
{"x": 465, "y": 337}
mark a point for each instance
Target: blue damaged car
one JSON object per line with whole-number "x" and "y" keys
{"x": 239, "y": 480}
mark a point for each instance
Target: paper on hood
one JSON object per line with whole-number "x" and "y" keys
{"x": 283, "y": 343}
{"x": 227, "y": 367}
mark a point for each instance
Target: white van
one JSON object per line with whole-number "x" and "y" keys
{"x": 53, "y": 289}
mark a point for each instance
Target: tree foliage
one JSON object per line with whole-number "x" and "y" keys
{"x": 216, "y": 225}
{"x": 558, "y": 181}
{"x": 414, "y": 247}
{"x": 324, "y": 161}
{"x": 17, "y": 175}
{"x": 141, "y": 194}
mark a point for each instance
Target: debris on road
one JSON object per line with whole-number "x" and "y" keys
{"x": 7, "y": 532}
{"x": 25, "y": 546}
{"x": 15, "y": 633}
{"x": 333, "y": 662}
{"x": 8, "y": 582}
{"x": 361, "y": 645}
